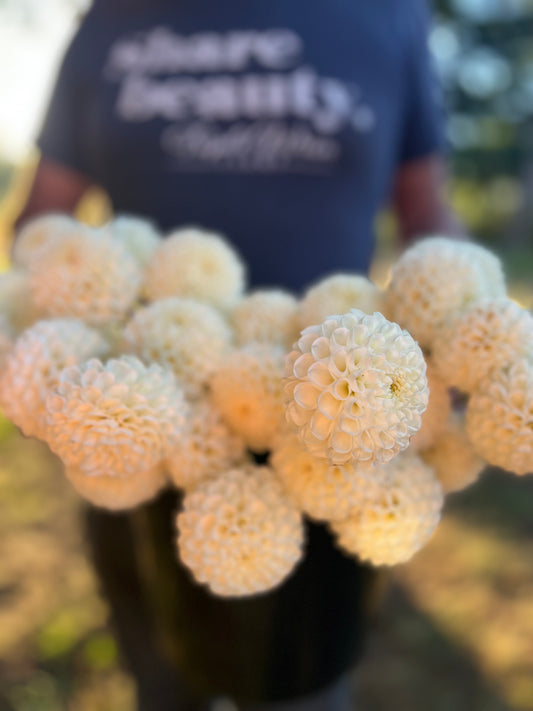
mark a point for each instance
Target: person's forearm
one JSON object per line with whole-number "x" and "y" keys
{"x": 420, "y": 200}
{"x": 441, "y": 219}
{"x": 55, "y": 188}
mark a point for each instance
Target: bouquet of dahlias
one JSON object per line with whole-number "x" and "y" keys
{"x": 144, "y": 363}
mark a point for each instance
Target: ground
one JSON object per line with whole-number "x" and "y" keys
{"x": 454, "y": 631}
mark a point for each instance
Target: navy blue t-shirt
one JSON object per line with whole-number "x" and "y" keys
{"x": 279, "y": 123}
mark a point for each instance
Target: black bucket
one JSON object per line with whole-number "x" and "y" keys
{"x": 282, "y": 644}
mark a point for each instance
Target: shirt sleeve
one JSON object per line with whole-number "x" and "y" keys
{"x": 61, "y": 137}
{"x": 424, "y": 117}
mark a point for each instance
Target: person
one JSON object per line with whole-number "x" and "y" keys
{"x": 286, "y": 126}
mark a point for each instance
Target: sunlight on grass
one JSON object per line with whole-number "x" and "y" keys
{"x": 104, "y": 692}
{"x": 100, "y": 651}
{"x": 40, "y": 693}
{"x": 64, "y": 630}
{"x": 475, "y": 582}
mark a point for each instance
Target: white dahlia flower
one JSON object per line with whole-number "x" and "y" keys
{"x": 6, "y": 339}
{"x": 195, "y": 264}
{"x": 338, "y": 294}
{"x": 37, "y": 234}
{"x": 33, "y": 366}
{"x": 398, "y": 518}
{"x": 487, "y": 335}
{"x": 187, "y": 336}
{"x": 206, "y": 448}
{"x": 16, "y": 301}
{"x": 324, "y": 491}
{"x": 118, "y": 493}
{"x": 266, "y": 316}
{"x": 499, "y": 417}
{"x": 453, "y": 458}
{"x": 86, "y": 275}
{"x": 115, "y": 418}
{"x": 435, "y": 418}
{"x": 436, "y": 278}
{"x": 239, "y": 534}
{"x": 137, "y": 235}
{"x": 356, "y": 388}
{"x": 247, "y": 390}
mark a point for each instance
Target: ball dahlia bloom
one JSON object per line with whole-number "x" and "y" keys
{"x": 355, "y": 388}
{"x": 188, "y": 337}
{"x": 265, "y": 316}
{"x": 33, "y": 366}
{"x": 238, "y": 533}
{"x": 16, "y": 301}
{"x": 137, "y": 235}
{"x": 6, "y": 339}
{"x": 323, "y": 491}
{"x": 247, "y": 391}
{"x": 486, "y": 335}
{"x": 337, "y": 294}
{"x": 453, "y": 458}
{"x": 436, "y": 278}
{"x": 399, "y": 516}
{"x": 118, "y": 493}
{"x": 435, "y": 418}
{"x": 195, "y": 264}
{"x": 39, "y": 233}
{"x": 206, "y": 448}
{"x": 499, "y": 417}
{"x": 114, "y": 419}
{"x": 85, "y": 275}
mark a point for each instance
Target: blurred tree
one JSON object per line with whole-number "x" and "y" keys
{"x": 484, "y": 54}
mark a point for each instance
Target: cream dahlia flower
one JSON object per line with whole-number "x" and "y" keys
{"x": 16, "y": 302}
{"x": 499, "y": 417}
{"x": 436, "y": 278}
{"x": 266, "y": 316}
{"x": 118, "y": 493}
{"x": 398, "y": 519}
{"x": 487, "y": 335}
{"x": 37, "y": 234}
{"x": 435, "y": 418}
{"x": 116, "y": 418}
{"x": 137, "y": 235}
{"x": 239, "y": 534}
{"x": 33, "y": 366}
{"x": 6, "y": 339}
{"x": 206, "y": 448}
{"x": 247, "y": 390}
{"x": 338, "y": 294}
{"x": 187, "y": 336}
{"x": 356, "y": 388}
{"x": 195, "y": 264}
{"x": 453, "y": 458}
{"x": 324, "y": 491}
{"x": 86, "y": 275}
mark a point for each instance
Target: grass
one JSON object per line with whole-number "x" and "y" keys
{"x": 455, "y": 630}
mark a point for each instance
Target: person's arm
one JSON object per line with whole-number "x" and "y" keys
{"x": 55, "y": 188}
{"x": 418, "y": 191}
{"x": 419, "y": 199}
